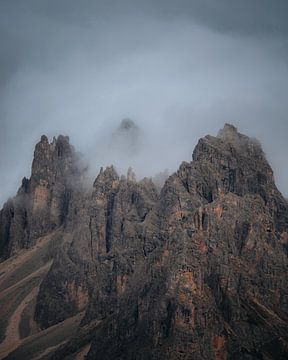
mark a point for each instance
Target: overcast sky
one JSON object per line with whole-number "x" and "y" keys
{"x": 179, "y": 69}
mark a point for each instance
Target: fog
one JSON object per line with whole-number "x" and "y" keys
{"x": 178, "y": 69}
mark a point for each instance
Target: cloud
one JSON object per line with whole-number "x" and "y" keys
{"x": 179, "y": 70}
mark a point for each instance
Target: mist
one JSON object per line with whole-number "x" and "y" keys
{"x": 178, "y": 70}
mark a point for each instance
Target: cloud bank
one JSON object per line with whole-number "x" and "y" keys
{"x": 179, "y": 70}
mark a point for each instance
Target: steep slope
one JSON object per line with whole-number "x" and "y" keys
{"x": 197, "y": 272}
{"x": 20, "y": 279}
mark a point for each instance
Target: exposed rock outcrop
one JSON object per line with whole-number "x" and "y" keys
{"x": 215, "y": 285}
{"x": 107, "y": 243}
{"x": 42, "y": 201}
{"x": 198, "y": 271}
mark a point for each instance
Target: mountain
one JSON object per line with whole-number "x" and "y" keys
{"x": 120, "y": 271}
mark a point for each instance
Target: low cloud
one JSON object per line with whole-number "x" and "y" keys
{"x": 179, "y": 71}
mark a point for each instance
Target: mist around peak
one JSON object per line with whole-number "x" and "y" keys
{"x": 179, "y": 70}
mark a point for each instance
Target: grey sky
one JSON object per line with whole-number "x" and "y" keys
{"x": 179, "y": 69}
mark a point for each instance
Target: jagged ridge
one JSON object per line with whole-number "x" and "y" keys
{"x": 198, "y": 271}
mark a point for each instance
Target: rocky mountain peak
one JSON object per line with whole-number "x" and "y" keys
{"x": 198, "y": 271}
{"x": 231, "y": 147}
{"x": 53, "y": 160}
{"x": 228, "y": 130}
{"x": 131, "y": 175}
{"x": 233, "y": 162}
{"x": 44, "y": 139}
{"x": 106, "y": 176}
{"x": 42, "y": 201}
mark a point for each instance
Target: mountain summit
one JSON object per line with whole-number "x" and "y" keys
{"x": 121, "y": 271}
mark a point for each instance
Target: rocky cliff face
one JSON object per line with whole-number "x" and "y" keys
{"x": 42, "y": 201}
{"x": 198, "y": 271}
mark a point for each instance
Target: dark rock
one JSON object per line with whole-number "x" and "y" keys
{"x": 207, "y": 289}
{"x": 197, "y": 272}
{"x": 42, "y": 201}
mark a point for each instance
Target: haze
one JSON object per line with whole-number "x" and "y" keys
{"x": 178, "y": 69}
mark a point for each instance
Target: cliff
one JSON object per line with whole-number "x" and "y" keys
{"x": 198, "y": 271}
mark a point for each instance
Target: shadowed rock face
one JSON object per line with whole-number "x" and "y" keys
{"x": 198, "y": 271}
{"x": 107, "y": 244}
